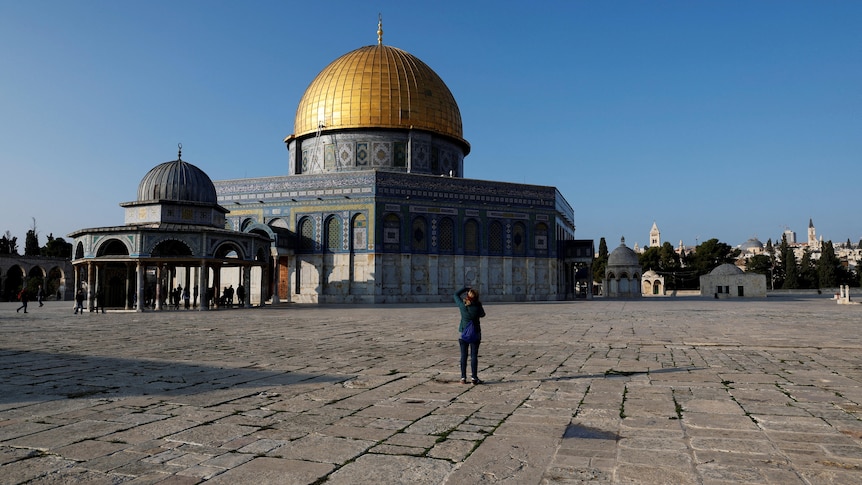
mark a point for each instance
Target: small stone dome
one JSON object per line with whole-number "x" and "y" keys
{"x": 751, "y": 244}
{"x": 177, "y": 181}
{"x": 726, "y": 269}
{"x": 623, "y": 256}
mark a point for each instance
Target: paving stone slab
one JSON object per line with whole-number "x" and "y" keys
{"x": 649, "y": 391}
{"x": 273, "y": 471}
{"x": 377, "y": 469}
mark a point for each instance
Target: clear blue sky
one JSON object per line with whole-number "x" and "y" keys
{"x": 726, "y": 119}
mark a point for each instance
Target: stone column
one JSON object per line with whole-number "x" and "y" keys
{"x": 276, "y": 277}
{"x": 246, "y": 282}
{"x": 90, "y": 276}
{"x": 158, "y": 295}
{"x": 203, "y": 284}
{"x": 77, "y": 283}
{"x": 187, "y": 284}
{"x": 216, "y": 285}
{"x": 139, "y": 291}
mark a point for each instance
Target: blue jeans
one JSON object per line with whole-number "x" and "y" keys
{"x": 474, "y": 358}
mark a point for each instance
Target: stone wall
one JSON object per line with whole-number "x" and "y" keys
{"x": 419, "y": 278}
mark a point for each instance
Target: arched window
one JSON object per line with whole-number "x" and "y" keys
{"x": 171, "y": 248}
{"x": 495, "y": 238}
{"x": 245, "y": 223}
{"x": 446, "y": 235}
{"x": 391, "y": 232}
{"x": 519, "y": 239}
{"x": 333, "y": 234}
{"x": 419, "y": 235}
{"x": 306, "y": 235}
{"x": 360, "y": 232}
{"x": 113, "y": 247}
{"x": 471, "y": 237}
{"x": 541, "y": 237}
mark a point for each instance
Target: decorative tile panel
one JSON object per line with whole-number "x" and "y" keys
{"x": 362, "y": 154}
{"x": 381, "y": 154}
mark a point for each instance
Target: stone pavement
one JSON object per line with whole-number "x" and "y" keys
{"x": 675, "y": 390}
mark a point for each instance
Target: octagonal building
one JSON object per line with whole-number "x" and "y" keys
{"x": 374, "y": 207}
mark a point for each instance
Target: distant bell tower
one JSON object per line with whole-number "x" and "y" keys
{"x": 654, "y": 236}
{"x": 812, "y": 236}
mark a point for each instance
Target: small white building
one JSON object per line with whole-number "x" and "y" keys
{"x": 652, "y": 284}
{"x": 729, "y": 281}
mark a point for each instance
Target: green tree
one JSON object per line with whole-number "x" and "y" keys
{"x": 31, "y": 241}
{"x": 791, "y": 271}
{"x": 57, "y": 248}
{"x": 827, "y": 266}
{"x": 770, "y": 252}
{"x": 31, "y": 244}
{"x": 709, "y": 255}
{"x": 601, "y": 261}
{"x": 807, "y": 271}
{"x": 760, "y": 264}
{"x": 650, "y": 259}
{"x": 781, "y": 261}
{"x": 8, "y": 244}
{"x": 668, "y": 258}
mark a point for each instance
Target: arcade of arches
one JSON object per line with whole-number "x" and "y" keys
{"x": 51, "y": 273}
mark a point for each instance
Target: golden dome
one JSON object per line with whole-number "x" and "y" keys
{"x": 378, "y": 86}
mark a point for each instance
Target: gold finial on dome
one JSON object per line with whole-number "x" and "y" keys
{"x": 379, "y": 29}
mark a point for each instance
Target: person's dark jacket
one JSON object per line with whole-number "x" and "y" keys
{"x": 473, "y": 311}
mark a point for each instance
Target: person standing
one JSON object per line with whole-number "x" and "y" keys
{"x": 471, "y": 311}
{"x": 240, "y": 295}
{"x": 79, "y": 301}
{"x": 24, "y": 298}
{"x": 40, "y": 295}
{"x": 100, "y": 301}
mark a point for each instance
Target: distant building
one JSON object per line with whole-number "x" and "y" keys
{"x": 652, "y": 284}
{"x": 751, "y": 247}
{"x": 654, "y": 236}
{"x": 729, "y": 281}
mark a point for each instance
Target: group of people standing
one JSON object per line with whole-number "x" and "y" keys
{"x": 227, "y": 300}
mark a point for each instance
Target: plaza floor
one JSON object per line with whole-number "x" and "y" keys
{"x": 653, "y": 391}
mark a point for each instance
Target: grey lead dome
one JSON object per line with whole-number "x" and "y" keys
{"x": 177, "y": 181}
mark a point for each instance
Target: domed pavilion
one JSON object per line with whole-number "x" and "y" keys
{"x": 174, "y": 237}
{"x": 623, "y": 273}
{"x": 374, "y": 206}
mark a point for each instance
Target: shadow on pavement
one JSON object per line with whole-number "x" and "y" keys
{"x": 39, "y": 376}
